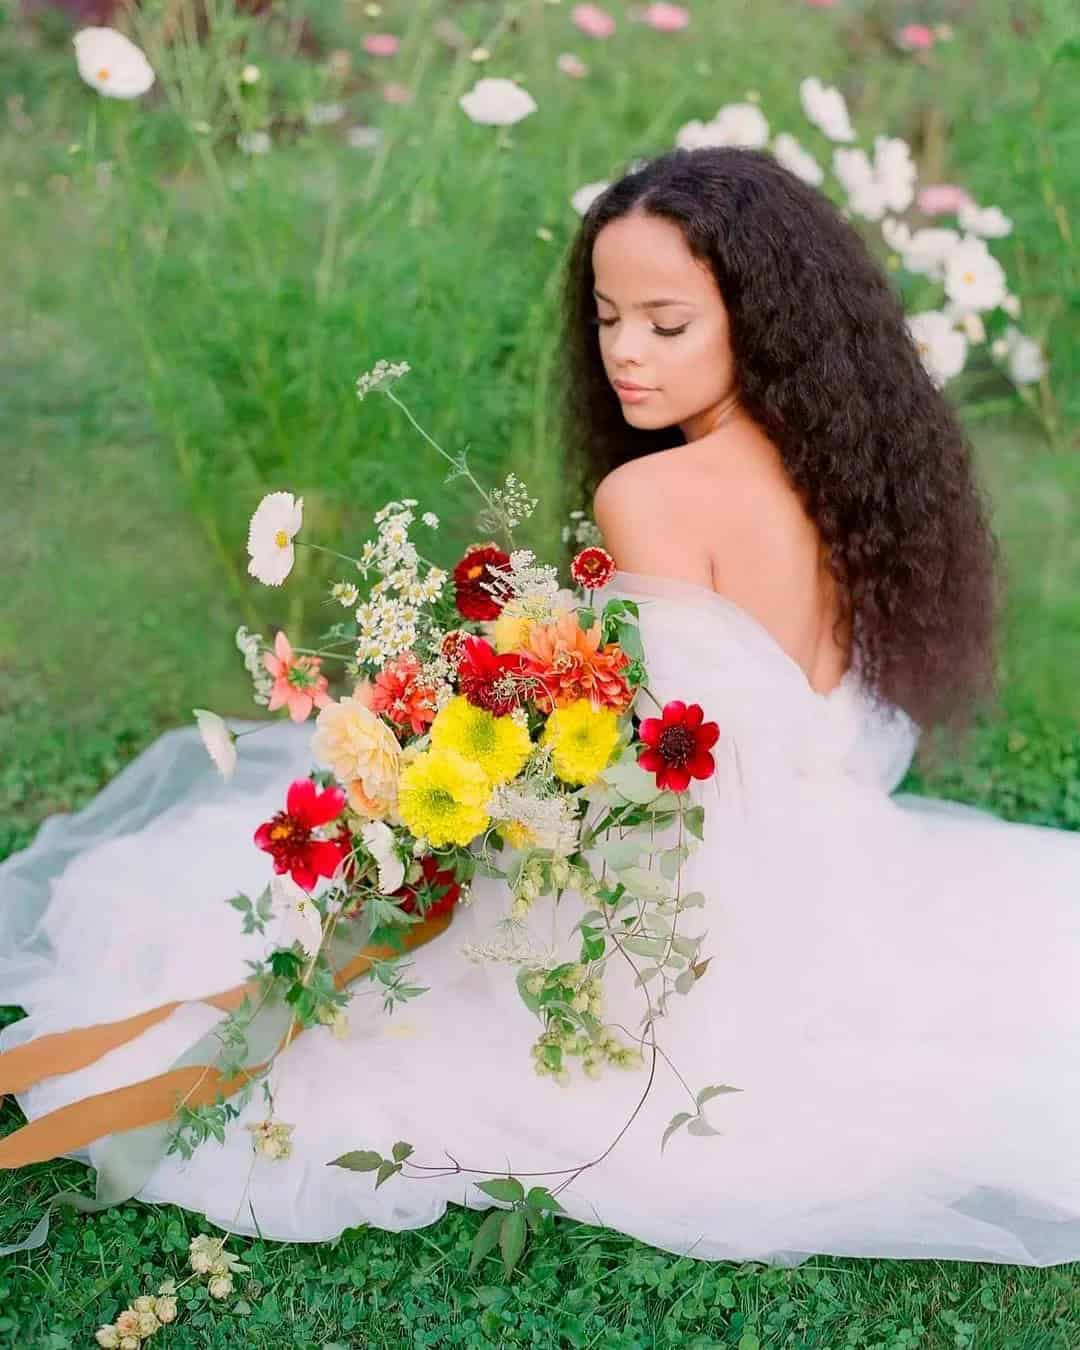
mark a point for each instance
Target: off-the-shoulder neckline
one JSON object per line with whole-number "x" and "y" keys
{"x": 721, "y": 602}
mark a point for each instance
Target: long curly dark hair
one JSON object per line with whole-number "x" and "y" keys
{"x": 826, "y": 366}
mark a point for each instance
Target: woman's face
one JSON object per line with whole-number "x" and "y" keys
{"x": 678, "y": 349}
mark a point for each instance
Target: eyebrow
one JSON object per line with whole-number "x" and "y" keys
{"x": 645, "y": 304}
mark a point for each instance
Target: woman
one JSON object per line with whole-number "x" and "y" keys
{"x": 887, "y": 1003}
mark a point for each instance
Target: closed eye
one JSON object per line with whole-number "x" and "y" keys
{"x": 660, "y": 332}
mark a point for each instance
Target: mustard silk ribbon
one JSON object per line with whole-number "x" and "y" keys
{"x": 151, "y": 1100}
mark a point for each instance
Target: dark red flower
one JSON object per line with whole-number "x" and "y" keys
{"x": 452, "y": 644}
{"x": 440, "y": 887}
{"x": 287, "y": 837}
{"x": 491, "y": 679}
{"x": 593, "y": 567}
{"x": 677, "y": 745}
{"x": 481, "y": 563}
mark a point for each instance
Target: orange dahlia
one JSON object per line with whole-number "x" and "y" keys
{"x": 569, "y": 663}
{"x": 399, "y": 693}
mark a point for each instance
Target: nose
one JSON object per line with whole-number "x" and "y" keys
{"x": 625, "y": 346}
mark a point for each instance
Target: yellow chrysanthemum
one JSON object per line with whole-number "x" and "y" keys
{"x": 442, "y": 797}
{"x": 499, "y": 745}
{"x": 583, "y": 738}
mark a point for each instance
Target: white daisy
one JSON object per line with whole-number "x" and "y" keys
{"x": 989, "y": 221}
{"x": 379, "y": 838}
{"x": 220, "y": 742}
{"x": 276, "y": 521}
{"x": 112, "y": 63}
{"x": 497, "y": 102}
{"x": 584, "y": 197}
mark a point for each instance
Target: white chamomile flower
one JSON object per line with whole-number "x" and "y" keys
{"x": 345, "y": 593}
{"x": 273, "y": 527}
{"x": 112, "y": 63}
{"x": 220, "y": 742}
{"x": 303, "y": 922}
{"x": 379, "y": 838}
{"x": 431, "y": 520}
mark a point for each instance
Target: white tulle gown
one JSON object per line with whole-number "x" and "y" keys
{"x": 893, "y": 989}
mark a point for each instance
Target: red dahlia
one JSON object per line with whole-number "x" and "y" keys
{"x": 490, "y": 679}
{"x": 593, "y": 567}
{"x": 287, "y": 837}
{"x": 439, "y": 887}
{"x": 677, "y": 745}
{"x": 482, "y": 563}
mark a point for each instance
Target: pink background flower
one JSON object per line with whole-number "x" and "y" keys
{"x": 381, "y": 44}
{"x": 569, "y": 64}
{"x": 666, "y": 18}
{"x": 397, "y": 93}
{"x": 938, "y": 199}
{"x": 916, "y": 36}
{"x": 592, "y": 20}
{"x": 297, "y": 682}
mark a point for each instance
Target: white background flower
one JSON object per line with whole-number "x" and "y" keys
{"x": 734, "y": 124}
{"x": 497, "y": 102}
{"x": 584, "y": 197}
{"x": 974, "y": 279}
{"x": 942, "y": 348}
{"x": 379, "y": 839}
{"x": 1027, "y": 365}
{"x": 922, "y": 251}
{"x": 825, "y": 107}
{"x": 799, "y": 161}
{"x": 112, "y": 63}
{"x": 276, "y": 521}
{"x": 220, "y": 742}
{"x": 989, "y": 221}
{"x": 254, "y": 142}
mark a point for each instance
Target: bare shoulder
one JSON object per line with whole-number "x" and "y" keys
{"x": 725, "y": 515}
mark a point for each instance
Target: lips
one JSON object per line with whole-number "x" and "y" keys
{"x": 626, "y": 384}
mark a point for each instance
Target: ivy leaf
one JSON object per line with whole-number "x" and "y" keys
{"x": 401, "y": 1150}
{"x": 360, "y": 1160}
{"x": 708, "y": 1093}
{"x": 486, "y": 1237}
{"x": 540, "y": 1198}
{"x": 675, "y": 1123}
{"x": 512, "y": 1239}
{"x": 386, "y": 1171}
{"x": 503, "y": 1188}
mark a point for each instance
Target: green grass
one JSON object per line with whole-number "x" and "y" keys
{"x": 177, "y": 343}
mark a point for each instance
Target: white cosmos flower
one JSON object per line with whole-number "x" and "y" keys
{"x": 735, "y": 124}
{"x": 825, "y": 107}
{"x": 379, "y": 838}
{"x": 856, "y": 175}
{"x": 895, "y": 171}
{"x": 943, "y": 350}
{"x": 220, "y": 742}
{"x": 584, "y": 197}
{"x": 974, "y": 279}
{"x": 1011, "y": 305}
{"x": 254, "y": 142}
{"x": 497, "y": 102}
{"x": 363, "y": 137}
{"x": 324, "y": 114}
{"x": 989, "y": 221}
{"x": 302, "y": 920}
{"x": 112, "y": 63}
{"x": 798, "y": 161}
{"x": 276, "y": 521}
{"x": 1027, "y": 365}
{"x": 926, "y": 251}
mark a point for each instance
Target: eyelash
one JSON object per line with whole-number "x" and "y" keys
{"x": 660, "y": 332}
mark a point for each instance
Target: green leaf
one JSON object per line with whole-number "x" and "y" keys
{"x": 486, "y": 1237}
{"x": 401, "y": 1150}
{"x": 631, "y": 781}
{"x": 619, "y": 853}
{"x": 708, "y": 1093}
{"x": 540, "y": 1198}
{"x": 699, "y": 1125}
{"x": 386, "y": 1171}
{"x": 694, "y": 818}
{"x": 503, "y": 1188}
{"x": 361, "y": 1160}
{"x": 645, "y": 885}
{"x": 684, "y": 982}
{"x": 671, "y": 859}
{"x": 675, "y": 1123}
{"x": 641, "y": 946}
{"x": 693, "y": 900}
{"x": 512, "y": 1239}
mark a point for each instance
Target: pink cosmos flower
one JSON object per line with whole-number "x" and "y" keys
{"x": 939, "y": 199}
{"x": 592, "y": 20}
{"x": 397, "y": 93}
{"x": 569, "y": 64}
{"x": 297, "y": 681}
{"x": 666, "y": 18}
{"x": 821, "y": 4}
{"x": 916, "y": 37}
{"x": 381, "y": 44}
